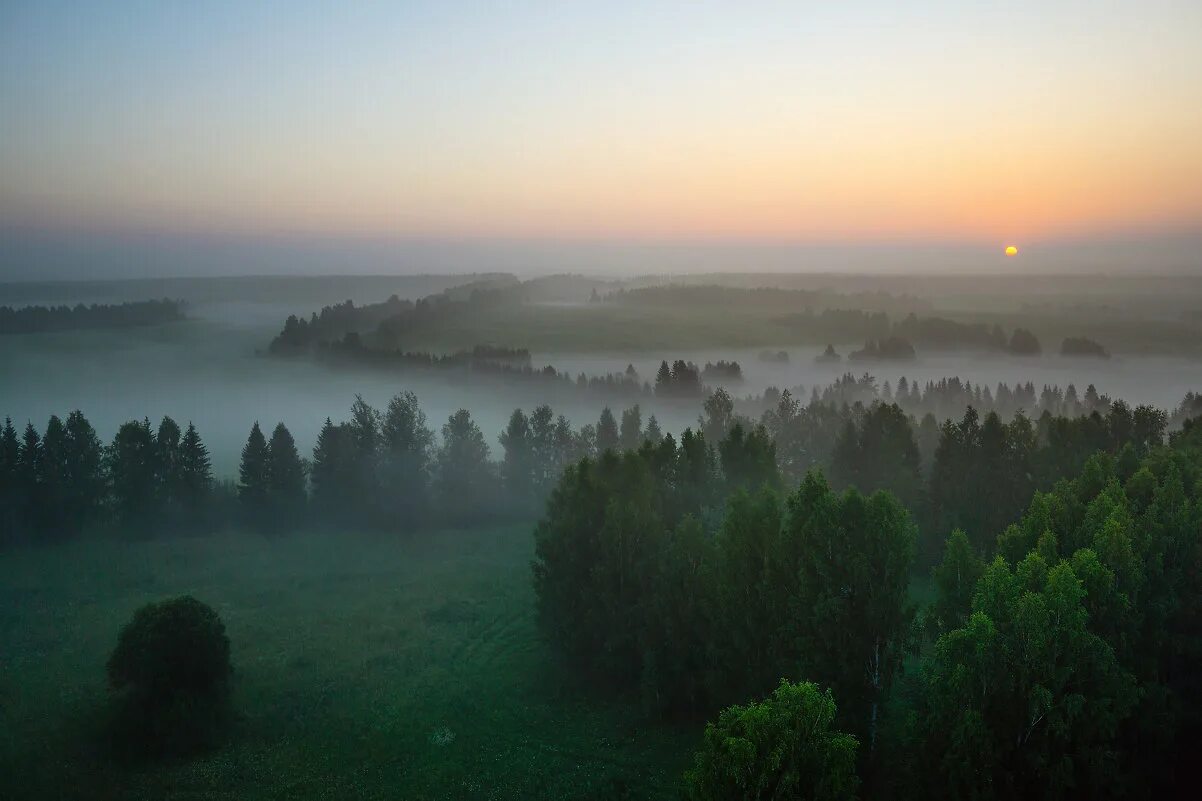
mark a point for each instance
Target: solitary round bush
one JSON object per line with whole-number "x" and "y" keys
{"x": 171, "y": 671}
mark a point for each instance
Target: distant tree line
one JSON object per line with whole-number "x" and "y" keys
{"x": 64, "y": 480}
{"x": 43, "y": 319}
{"x": 948, "y": 397}
{"x": 772, "y": 299}
{"x": 935, "y": 333}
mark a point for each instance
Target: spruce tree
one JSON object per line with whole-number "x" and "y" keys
{"x": 51, "y": 520}
{"x": 253, "y": 478}
{"x": 195, "y": 479}
{"x": 167, "y": 442}
{"x": 31, "y": 470}
{"x": 333, "y": 467}
{"x": 653, "y": 434}
{"x": 285, "y": 479}
{"x": 607, "y": 431}
{"x": 11, "y": 514}
{"x": 84, "y": 471}
{"x": 631, "y": 432}
{"x": 663, "y": 380}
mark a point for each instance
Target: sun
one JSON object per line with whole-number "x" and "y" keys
{"x": 1011, "y": 250}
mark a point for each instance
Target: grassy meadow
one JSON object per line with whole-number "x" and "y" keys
{"x": 365, "y": 667}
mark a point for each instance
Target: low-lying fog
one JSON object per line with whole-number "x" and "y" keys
{"x": 210, "y": 375}
{"x": 207, "y": 370}
{"x": 1157, "y": 380}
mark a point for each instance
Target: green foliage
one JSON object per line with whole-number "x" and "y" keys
{"x": 286, "y": 493}
{"x": 1024, "y": 701}
{"x": 407, "y": 444}
{"x": 982, "y": 475}
{"x": 748, "y": 459}
{"x": 433, "y": 635}
{"x": 132, "y": 469}
{"x": 170, "y": 672}
{"x": 853, "y": 556}
{"x": 955, "y": 582}
{"x": 333, "y": 474}
{"x": 785, "y": 746}
{"x": 878, "y": 452}
{"x": 465, "y": 488}
{"x": 517, "y": 465}
{"x": 630, "y": 433}
{"x": 11, "y": 478}
{"x": 608, "y": 437}
{"x": 636, "y": 592}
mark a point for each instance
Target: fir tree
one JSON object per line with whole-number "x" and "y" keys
{"x": 253, "y": 473}
{"x": 11, "y": 514}
{"x": 195, "y": 478}
{"x": 84, "y": 471}
{"x": 607, "y": 431}
{"x": 285, "y": 479}
{"x": 631, "y": 432}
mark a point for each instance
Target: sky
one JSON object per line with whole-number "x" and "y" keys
{"x": 217, "y": 138}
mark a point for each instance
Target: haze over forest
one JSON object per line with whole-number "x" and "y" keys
{"x": 641, "y": 401}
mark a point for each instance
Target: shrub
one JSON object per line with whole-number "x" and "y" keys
{"x": 171, "y": 672}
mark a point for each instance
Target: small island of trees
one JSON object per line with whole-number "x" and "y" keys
{"x": 879, "y": 350}
{"x": 1083, "y": 346}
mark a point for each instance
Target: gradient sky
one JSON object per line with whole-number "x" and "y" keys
{"x": 818, "y": 123}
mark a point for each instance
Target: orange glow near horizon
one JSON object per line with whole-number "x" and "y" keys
{"x": 703, "y": 123}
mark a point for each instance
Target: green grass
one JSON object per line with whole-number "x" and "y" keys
{"x": 364, "y": 668}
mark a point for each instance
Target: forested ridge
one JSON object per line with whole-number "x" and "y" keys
{"x": 490, "y": 307}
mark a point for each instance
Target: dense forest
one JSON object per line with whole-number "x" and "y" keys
{"x": 1058, "y": 659}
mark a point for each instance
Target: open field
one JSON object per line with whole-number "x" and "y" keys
{"x": 364, "y": 668}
